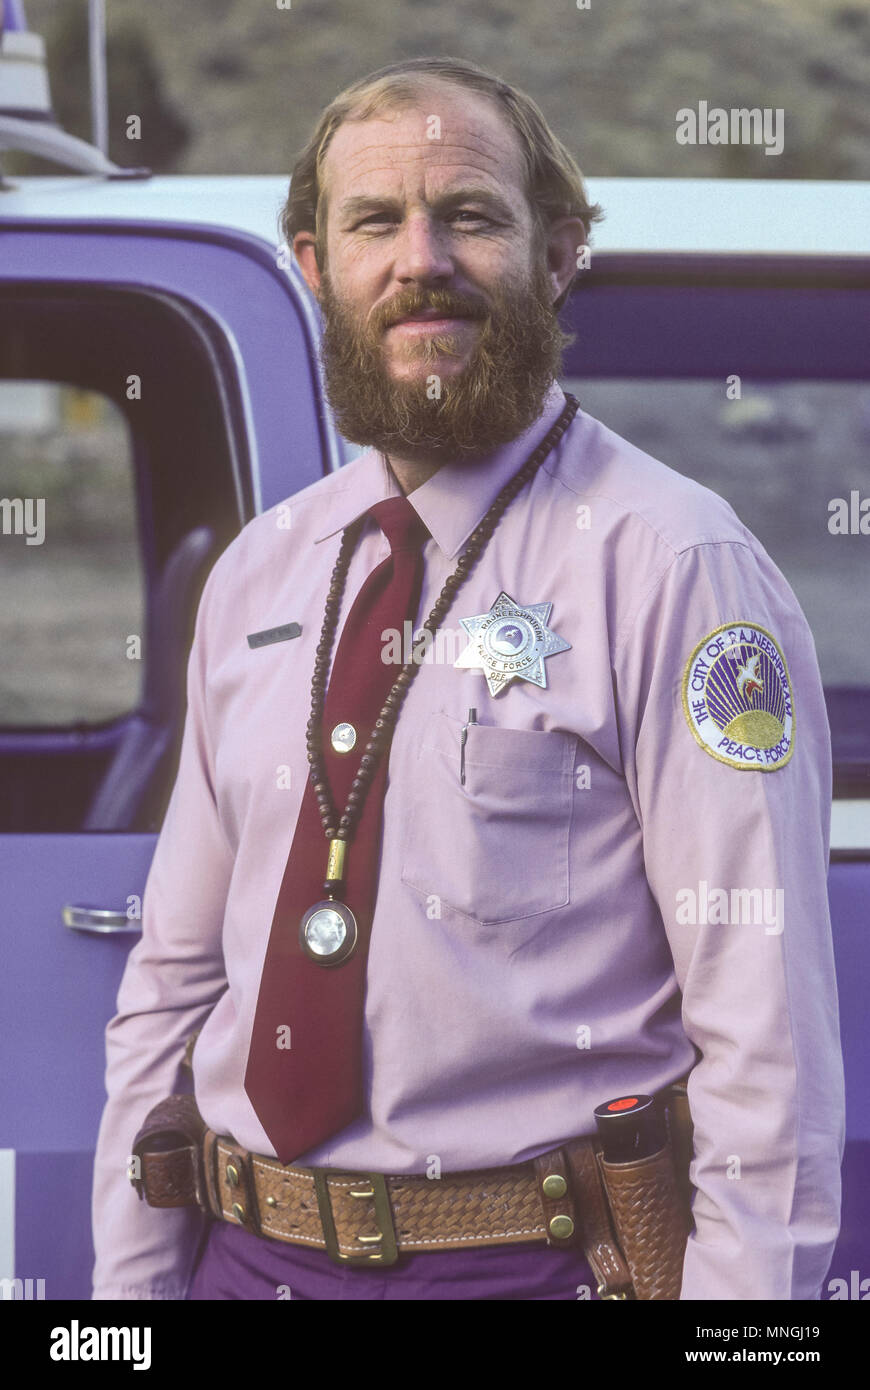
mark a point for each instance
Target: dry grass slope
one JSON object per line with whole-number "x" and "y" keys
{"x": 236, "y": 86}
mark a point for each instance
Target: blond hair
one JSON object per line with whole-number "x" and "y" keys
{"x": 554, "y": 183}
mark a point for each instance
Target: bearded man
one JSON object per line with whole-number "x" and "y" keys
{"x": 556, "y": 869}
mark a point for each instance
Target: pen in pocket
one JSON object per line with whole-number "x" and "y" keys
{"x": 463, "y": 739}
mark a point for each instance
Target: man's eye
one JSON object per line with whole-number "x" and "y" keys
{"x": 376, "y": 219}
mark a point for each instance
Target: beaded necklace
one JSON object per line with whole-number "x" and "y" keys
{"x": 339, "y": 834}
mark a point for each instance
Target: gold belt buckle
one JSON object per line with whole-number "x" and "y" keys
{"x": 383, "y": 1249}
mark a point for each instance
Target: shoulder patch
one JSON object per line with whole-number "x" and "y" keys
{"x": 737, "y": 698}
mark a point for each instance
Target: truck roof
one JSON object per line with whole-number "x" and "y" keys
{"x": 776, "y": 216}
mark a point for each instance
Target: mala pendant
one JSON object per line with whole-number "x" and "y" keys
{"x": 328, "y": 932}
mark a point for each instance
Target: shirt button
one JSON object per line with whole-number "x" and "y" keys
{"x": 343, "y": 738}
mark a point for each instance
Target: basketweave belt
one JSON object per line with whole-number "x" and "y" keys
{"x": 631, "y": 1219}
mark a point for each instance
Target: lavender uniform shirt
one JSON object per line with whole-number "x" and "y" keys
{"x": 630, "y": 882}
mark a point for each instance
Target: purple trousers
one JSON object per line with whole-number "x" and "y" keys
{"x": 235, "y": 1264}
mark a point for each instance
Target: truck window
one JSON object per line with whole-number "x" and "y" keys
{"x": 124, "y": 472}
{"x": 71, "y": 621}
{"x": 781, "y": 455}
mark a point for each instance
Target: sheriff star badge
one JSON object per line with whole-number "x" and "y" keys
{"x": 511, "y": 642}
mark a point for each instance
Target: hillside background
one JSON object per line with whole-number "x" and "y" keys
{"x": 234, "y": 86}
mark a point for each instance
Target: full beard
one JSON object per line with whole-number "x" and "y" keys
{"x": 494, "y": 399}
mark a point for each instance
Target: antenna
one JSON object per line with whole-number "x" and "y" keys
{"x": 27, "y": 122}
{"x": 99, "y": 79}
{"x": 12, "y": 14}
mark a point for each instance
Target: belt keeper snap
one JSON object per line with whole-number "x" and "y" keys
{"x": 557, "y": 1202}
{"x": 237, "y": 1171}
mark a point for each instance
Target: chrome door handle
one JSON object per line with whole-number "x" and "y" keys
{"x": 99, "y": 920}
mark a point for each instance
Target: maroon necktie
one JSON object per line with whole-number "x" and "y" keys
{"x": 311, "y": 1089}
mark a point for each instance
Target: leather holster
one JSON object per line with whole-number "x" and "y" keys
{"x": 168, "y": 1151}
{"x": 640, "y": 1213}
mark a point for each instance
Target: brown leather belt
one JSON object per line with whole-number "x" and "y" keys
{"x": 365, "y": 1217}
{"x": 563, "y": 1198}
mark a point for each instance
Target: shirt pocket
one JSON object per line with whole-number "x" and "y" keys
{"x": 496, "y": 849}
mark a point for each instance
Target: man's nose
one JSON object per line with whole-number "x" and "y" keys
{"x": 423, "y": 251}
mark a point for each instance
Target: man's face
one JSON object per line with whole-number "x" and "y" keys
{"x": 439, "y": 335}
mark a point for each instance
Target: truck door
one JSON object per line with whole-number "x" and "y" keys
{"x": 158, "y": 387}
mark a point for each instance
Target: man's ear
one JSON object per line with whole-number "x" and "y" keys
{"x": 565, "y": 237}
{"x": 306, "y": 258}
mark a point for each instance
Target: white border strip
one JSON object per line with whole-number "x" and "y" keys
{"x": 850, "y": 825}
{"x": 7, "y": 1213}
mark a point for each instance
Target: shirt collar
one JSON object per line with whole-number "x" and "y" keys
{"x": 455, "y": 499}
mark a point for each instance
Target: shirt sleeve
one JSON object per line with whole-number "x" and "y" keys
{"x": 174, "y": 976}
{"x": 754, "y": 962}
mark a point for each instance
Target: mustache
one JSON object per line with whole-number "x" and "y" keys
{"x": 446, "y": 303}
